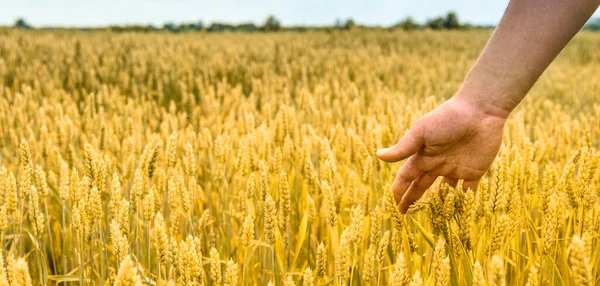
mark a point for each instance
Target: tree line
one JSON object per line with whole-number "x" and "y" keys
{"x": 271, "y": 24}
{"x": 449, "y": 21}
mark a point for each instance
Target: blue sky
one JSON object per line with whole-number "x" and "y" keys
{"x": 307, "y": 12}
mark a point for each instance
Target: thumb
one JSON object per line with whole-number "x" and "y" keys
{"x": 410, "y": 144}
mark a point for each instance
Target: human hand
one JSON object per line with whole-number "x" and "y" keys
{"x": 457, "y": 140}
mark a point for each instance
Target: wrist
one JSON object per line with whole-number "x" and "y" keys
{"x": 495, "y": 93}
{"x": 486, "y": 106}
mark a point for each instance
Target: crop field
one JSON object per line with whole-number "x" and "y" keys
{"x": 249, "y": 159}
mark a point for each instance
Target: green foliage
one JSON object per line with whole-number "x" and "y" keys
{"x": 436, "y": 24}
{"x": 221, "y": 27}
{"x": 272, "y": 24}
{"x": 22, "y": 24}
{"x": 593, "y": 24}
{"x": 449, "y": 22}
{"x": 349, "y": 24}
{"x": 407, "y": 24}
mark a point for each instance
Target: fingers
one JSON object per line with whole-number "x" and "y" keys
{"x": 407, "y": 173}
{"x": 416, "y": 190}
{"x": 410, "y": 144}
{"x": 410, "y": 171}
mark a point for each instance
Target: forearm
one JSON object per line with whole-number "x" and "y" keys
{"x": 527, "y": 39}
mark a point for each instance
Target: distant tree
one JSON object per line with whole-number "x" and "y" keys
{"x": 349, "y": 24}
{"x": 451, "y": 21}
{"x": 191, "y": 26}
{"x": 407, "y": 24}
{"x": 247, "y": 27}
{"x": 127, "y": 28}
{"x": 593, "y": 24}
{"x": 220, "y": 27}
{"x": 198, "y": 26}
{"x": 170, "y": 27}
{"x": 22, "y": 24}
{"x": 272, "y": 24}
{"x": 182, "y": 27}
{"x": 436, "y": 24}
{"x": 448, "y": 22}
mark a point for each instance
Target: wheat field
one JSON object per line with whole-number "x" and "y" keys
{"x": 249, "y": 159}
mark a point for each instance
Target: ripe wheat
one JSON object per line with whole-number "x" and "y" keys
{"x": 248, "y": 159}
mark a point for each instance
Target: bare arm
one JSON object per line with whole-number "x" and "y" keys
{"x": 459, "y": 140}
{"x": 527, "y": 39}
